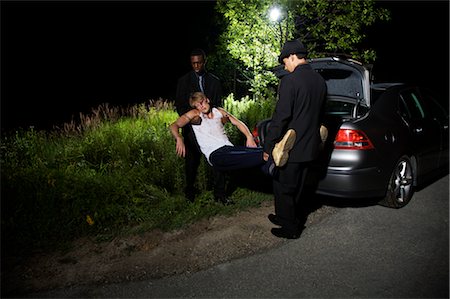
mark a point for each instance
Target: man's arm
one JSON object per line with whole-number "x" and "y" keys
{"x": 175, "y": 130}
{"x": 241, "y": 126}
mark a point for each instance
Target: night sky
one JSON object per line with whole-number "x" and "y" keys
{"x": 59, "y": 58}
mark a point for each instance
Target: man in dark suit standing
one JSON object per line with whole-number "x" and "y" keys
{"x": 198, "y": 79}
{"x": 293, "y": 138}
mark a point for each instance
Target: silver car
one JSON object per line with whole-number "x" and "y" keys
{"x": 383, "y": 139}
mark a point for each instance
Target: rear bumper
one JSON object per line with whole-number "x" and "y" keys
{"x": 359, "y": 183}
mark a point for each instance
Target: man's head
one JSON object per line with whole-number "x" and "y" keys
{"x": 198, "y": 61}
{"x": 199, "y": 101}
{"x": 292, "y": 54}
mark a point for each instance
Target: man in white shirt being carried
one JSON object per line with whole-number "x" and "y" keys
{"x": 208, "y": 126}
{"x": 207, "y": 123}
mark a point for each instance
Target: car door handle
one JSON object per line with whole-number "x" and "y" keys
{"x": 389, "y": 137}
{"x": 445, "y": 127}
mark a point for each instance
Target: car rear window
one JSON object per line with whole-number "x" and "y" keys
{"x": 342, "y": 82}
{"x": 375, "y": 95}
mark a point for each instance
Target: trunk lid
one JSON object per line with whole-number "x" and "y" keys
{"x": 346, "y": 79}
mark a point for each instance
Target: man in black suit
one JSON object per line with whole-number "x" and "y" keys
{"x": 198, "y": 79}
{"x": 293, "y": 138}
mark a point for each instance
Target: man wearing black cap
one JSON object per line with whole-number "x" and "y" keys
{"x": 198, "y": 79}
{"x": 293, "y": 138}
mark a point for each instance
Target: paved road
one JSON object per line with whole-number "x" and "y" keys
{"x": 372, "y": 251}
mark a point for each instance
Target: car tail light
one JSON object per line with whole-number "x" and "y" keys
{"x": 255, "y": 135}
{"x": 352, "y": 139}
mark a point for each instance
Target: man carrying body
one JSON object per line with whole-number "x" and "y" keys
{"x": 198, "y": 79}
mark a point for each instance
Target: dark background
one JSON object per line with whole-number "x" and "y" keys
{"x": 59, "y": 58}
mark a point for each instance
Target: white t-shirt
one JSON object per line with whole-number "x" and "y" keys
{"x": 210, "y": 133}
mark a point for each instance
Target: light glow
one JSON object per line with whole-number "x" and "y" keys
{"x": 274, "y": 14}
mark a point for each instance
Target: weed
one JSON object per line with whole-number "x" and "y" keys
{"x": 114, "y": 170}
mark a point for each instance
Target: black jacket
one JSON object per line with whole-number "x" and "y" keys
{"x": 302, "y": 94}
{"x": 188, "y": 84}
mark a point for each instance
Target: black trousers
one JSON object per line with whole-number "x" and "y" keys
{"x": 288, "y": 187}
{"x": 192, "y": 162}
{"x": 236, "y": 157}
{"x": 232, "y": 158}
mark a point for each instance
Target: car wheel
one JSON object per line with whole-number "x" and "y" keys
{"x": 400, "y": 187}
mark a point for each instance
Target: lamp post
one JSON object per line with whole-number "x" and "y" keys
{"x": 275, "y": 16}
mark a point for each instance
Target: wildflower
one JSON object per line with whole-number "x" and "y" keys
{"x": 89, "y": 220}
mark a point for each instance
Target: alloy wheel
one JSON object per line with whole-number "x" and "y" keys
{"x": 400, "y": 187}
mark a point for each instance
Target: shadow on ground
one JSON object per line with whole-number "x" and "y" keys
{"x": 253, "y": 179}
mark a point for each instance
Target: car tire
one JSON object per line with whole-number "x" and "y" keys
{"x": 400, "y": 187}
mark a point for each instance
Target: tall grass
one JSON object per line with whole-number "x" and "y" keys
{"x": 249, "y": 111}
{"x": 115, "y": 169}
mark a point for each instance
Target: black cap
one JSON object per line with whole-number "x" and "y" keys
{"x": 292, "y": 47}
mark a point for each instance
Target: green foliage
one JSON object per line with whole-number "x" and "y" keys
{"x": 250, "y": 42}
{"x": 114, "y": 171}
{"x": 114, "y": 174}
{"x": 249, "y": 111}
{"x": 337, "y": 26}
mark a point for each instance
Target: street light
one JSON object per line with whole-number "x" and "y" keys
{"x": 275, "y": 15}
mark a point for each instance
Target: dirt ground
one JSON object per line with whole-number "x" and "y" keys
{"x": 152, "y": 255}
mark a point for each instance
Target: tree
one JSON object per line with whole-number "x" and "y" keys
{"x": 250, "y": 43}
{"x": 337, "y": 26}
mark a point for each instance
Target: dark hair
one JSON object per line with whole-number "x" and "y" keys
{"x": 198, "y": 52}
{"x": 300, "y": 55}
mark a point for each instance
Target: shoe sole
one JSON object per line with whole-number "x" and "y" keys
{"x": 278, "y": 232}
{"x": 281, "y": 150}
{"x": 274, "y": 219}
{"x": 323, "y": 133}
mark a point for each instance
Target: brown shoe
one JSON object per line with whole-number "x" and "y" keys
{"x": 323, "y": 133}
{"x": 281, "y": 150}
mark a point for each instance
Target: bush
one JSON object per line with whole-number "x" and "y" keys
{"x": 249, "y": 111}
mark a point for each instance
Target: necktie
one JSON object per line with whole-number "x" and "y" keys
{"x": 200, "y": 83}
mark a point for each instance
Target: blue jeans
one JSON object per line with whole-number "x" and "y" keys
{"x": 236, "y": 157}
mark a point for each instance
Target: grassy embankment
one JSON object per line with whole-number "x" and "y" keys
{"x": 114, "y": 172}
